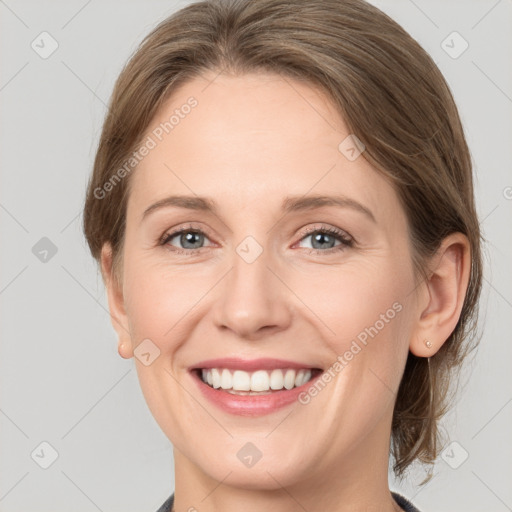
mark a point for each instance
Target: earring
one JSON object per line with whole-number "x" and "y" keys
{"x": 428, "y": 343}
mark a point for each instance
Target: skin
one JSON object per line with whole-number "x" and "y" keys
{"x": 251, "y": 141}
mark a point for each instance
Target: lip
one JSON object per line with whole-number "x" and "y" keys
{"x": 251, "y": 405}
{"x": 251, "y": 365}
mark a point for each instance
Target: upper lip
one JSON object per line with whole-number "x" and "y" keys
{"x": 264, "y": 363}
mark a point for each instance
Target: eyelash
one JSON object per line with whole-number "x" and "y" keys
{"x": 342, "y": 236}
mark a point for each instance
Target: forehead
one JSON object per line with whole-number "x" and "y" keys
{"x": 251, "y": 139}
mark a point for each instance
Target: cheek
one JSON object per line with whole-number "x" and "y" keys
{"x": 159, "y": 298}
{"x": 350, "y": 299}
{"x": 366, "y": 315}
{"x": 363, "y": 311}
{"x": 160, "y": 305}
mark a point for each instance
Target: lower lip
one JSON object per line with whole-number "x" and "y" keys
{"x": 251, "y": 405}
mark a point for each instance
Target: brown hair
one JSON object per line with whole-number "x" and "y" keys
{"x": 391, "y": 96}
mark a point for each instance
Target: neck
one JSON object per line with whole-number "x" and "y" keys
{"x": 357, "y": 482}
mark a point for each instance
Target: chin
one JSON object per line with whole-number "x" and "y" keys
{"x": 273, "y": 472}
{"x": 270, "y": 478}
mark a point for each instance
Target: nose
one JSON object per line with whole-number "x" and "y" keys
{"x": 254, "y": 301}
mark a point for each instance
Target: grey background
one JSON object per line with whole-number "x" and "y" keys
{"x": 61, "y": 378}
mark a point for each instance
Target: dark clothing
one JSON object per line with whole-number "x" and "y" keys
{"x": 402, "y": 502}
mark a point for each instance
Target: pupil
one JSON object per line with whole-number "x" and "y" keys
{"x": 189, "y": 238}
{"x": 319, "y": 237}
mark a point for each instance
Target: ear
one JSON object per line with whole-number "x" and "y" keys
{"x": 442, "y": 295}
{"x": 115, "y": 296}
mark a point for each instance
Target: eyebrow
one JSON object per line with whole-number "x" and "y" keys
{"x": 290, "y": 204}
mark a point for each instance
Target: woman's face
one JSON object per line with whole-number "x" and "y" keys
{"x": 268, "y": 279}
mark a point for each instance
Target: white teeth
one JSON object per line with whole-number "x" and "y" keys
{"x": 302, "y": 377}
{"x": 226, "y": 381}
{"x": 241, "y": 381}
{"x": 215, "y": 377}
{"x": 258, "y": 381}
{"x": 289, "y": 379}
{"x": 276, "y": 379}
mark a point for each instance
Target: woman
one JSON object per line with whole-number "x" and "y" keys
{"x": 241, "y": 137}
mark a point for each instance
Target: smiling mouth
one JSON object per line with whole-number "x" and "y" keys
{"x": 259, "y": 382}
